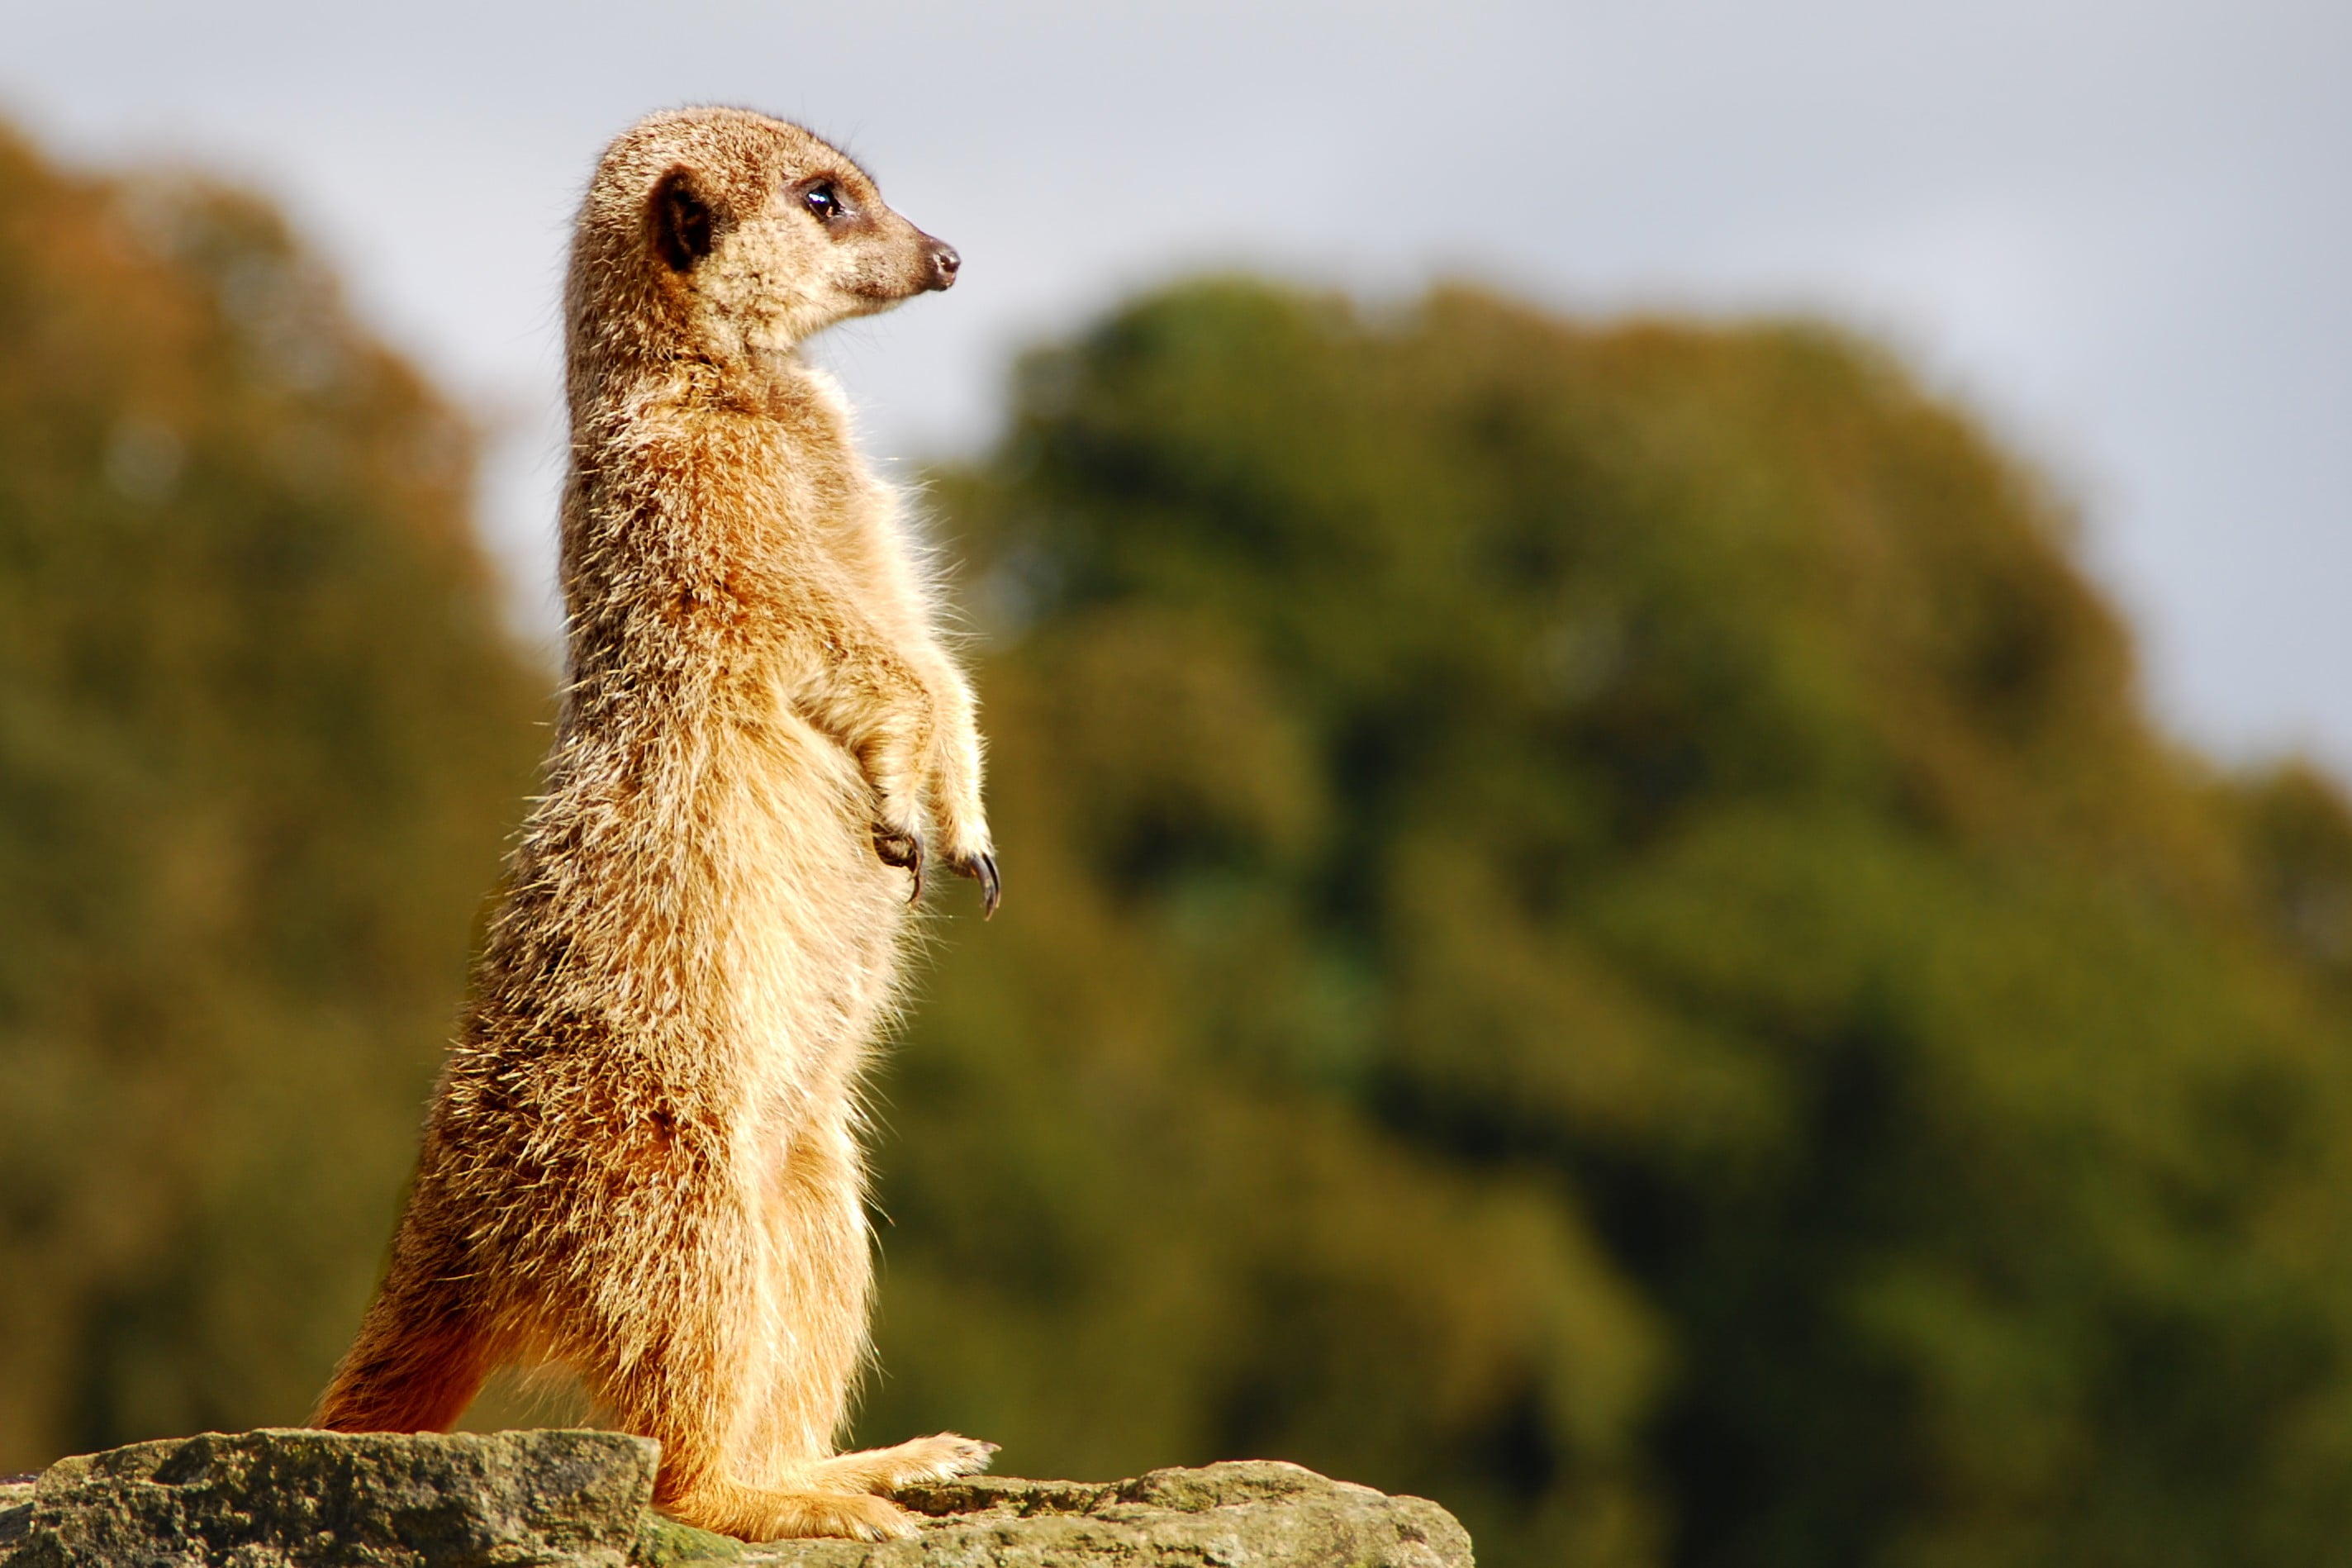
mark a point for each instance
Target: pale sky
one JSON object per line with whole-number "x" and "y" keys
{"x": 2123, "y": 232}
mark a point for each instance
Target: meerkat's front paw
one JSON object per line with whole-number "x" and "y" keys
{"x": 952, "y": 790}
{"x": 964, "y": 844}
{"x": 907, "y": 851}
{"x": 982, "y": 869}
{"x": 896, "y": 847}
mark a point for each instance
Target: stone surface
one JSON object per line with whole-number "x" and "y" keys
{"x": 293, "y": 1500}
{"x": 276, "y": 1500}
{"x": 15, "y": 1511}
{"x": 1254, "y": 1513}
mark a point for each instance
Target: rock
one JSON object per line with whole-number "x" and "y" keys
{"x": 15, "y": 1510}
{"x": 296, "y": 1500}
{"x": 1256, "y": 1513}
{"x": 280, "y": 1498}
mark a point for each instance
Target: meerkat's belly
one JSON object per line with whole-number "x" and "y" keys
{"x": 809, "y": 920}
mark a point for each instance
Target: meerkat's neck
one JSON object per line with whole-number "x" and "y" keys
{"x": 675, "y": 575}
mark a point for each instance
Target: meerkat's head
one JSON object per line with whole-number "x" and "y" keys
{"x": 720, "y": 231}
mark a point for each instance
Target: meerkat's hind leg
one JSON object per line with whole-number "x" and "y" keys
{"x": 768, "y": 1513}
{"x": 941, "y": 1458}
{"x": 420, "y": 1357}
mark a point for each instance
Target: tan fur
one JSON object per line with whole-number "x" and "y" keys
{"x": 643, "y": 1157}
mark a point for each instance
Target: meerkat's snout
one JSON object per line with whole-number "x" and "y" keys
{"x": 942, "y": 262}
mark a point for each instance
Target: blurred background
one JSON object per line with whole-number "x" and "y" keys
{"x": 1665, "y": 689}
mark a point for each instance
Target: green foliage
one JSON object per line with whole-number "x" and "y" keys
{"x": 1595, "y": 930}
{"x": 261, "y": 736}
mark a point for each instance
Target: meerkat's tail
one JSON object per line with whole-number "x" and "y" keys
{"x": 419, "y": 1359}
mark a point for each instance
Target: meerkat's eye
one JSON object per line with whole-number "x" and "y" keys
{"x": 824, "y": 200}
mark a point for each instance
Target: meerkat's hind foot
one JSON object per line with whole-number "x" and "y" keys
{"x": 761, "y": 1513}
{"x": 941, "y": 1458}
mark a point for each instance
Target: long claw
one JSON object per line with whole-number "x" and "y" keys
{"x": 904, "y": 850}
{"x": 982, "y": 869}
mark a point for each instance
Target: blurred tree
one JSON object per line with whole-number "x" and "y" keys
{"x": 260, "y": 737}
{"x": 1596, "y": 932}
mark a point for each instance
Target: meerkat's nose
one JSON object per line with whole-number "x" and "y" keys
{"x": 944, "y": 262}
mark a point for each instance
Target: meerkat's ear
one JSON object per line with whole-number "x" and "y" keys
{"x": 686, "y": 223}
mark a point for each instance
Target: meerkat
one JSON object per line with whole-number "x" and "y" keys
{"x": 643, "y": 1157}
